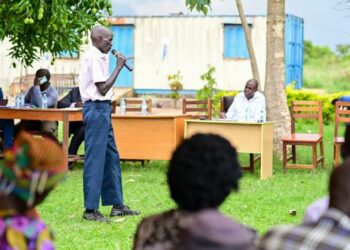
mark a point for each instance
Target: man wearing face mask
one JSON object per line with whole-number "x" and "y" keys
{"x": 249, "y": 105}
{"x": 34, "y": 97}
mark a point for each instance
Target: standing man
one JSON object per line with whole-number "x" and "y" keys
{"x": 248, "y": 106}
{"x": 102, "y": 175}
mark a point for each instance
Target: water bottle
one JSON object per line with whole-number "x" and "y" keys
{"x": 122, "y": 106}
{"x": 144, "y": 106}
{"x": 44, "y": 102}
{"x": 262, "y": 116}
{"x": 18, "y": 101}
{"x": 21, "y": 100}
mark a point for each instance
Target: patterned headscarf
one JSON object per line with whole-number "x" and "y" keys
{"x": 33, "y": 165}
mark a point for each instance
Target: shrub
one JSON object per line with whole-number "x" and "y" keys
{"x": 175, "y": 85}
{"x": 209, "y": 89}
{"x": 326, "y": 99}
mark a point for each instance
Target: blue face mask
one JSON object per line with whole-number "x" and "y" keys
{"x": 43, "y": 79}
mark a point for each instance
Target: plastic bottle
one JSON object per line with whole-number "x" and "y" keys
{"x": 44, "y": 102}
{"x": 18, "y": 101}
{"x": 262, "y": 116}
{"x": 21, "y": 99}
{"x": 122, "y": 106}
{"x": 144, "y": 106}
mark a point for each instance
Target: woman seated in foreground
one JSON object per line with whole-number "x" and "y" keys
{"x": 29, "y": 171}
{"x": 202, "y": 172}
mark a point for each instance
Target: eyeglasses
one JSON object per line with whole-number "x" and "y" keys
{"x": 107, "y": 41}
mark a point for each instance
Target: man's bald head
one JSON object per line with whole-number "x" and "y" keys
{"x": 98, "y": 31}
{"x": 101, "y": 38}
{"x": 250, "y": 88}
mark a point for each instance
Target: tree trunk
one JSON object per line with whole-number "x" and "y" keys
{"x": 275, "y": 90}
{"x": 248, "y": 39}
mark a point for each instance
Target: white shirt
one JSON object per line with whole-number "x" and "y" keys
{"x": 94, "y": 69}
{"x": 244, "y": 110}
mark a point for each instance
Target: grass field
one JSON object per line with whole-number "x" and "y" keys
{"x": 329, "y": 75}
{"x": 260, "y": 204}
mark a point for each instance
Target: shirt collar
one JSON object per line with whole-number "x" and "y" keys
{"x": 99, "y": 53}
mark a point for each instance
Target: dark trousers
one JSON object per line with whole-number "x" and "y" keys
{"x": 7, "y": 127}
{"x": 102, "y": 175}
{"x": 78, "y": 131}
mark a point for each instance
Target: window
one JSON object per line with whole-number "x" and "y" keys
{"x": 235, "y": 45}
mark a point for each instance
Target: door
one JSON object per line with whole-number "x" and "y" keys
{"x": 123, "y": 41}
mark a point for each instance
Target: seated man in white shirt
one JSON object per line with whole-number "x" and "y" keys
{"x": 249, "y": 105}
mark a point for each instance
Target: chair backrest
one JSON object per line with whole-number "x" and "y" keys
{"x": 307, "y": 110}
{"x": 342, "y": 115}
{"x": 134, "y": 105}
{"x": 197, "y": 108}
{"x": 225, "y": 103}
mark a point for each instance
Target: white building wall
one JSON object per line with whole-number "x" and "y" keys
{"x": 191, "y": 44}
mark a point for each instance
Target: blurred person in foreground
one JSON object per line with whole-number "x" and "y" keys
{"x": 315, "y": 210}
{"x": 331, "y": 231}
{"x": 29, "y": 172}
{"x": 202, "y": 172}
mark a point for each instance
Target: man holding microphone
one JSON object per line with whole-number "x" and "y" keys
{"x": 102, "y": 174}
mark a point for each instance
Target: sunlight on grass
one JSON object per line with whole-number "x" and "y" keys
{"x": 260, "y": 204}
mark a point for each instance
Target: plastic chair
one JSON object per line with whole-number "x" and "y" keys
{"x": 304, "y": 110}
{"x": 342, "y": 116}
{"x": 201, "y": 109}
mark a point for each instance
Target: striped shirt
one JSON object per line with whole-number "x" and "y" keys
{"x": 332, "y": 231}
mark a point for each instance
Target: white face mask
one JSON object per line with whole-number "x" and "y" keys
{"x": 43, "y": 80}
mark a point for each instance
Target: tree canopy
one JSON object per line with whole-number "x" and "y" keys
{"x": 55, "y": 26}
{"x": 200, "y": 5}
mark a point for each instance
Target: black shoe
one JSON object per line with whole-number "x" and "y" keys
{"x": 95, "y": 216}
{"x": 123, "y": 211}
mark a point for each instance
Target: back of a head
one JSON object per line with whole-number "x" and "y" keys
{"x": 202, "y": 172}
{"x": 339, "y": 188}
{"x": 31, "y": 169}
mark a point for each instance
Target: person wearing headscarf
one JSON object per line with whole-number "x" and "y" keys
{"x": 29, "y": 172}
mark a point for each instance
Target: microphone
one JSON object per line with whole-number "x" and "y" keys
{"x": 115, "y": 53}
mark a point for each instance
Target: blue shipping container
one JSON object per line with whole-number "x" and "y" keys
{"x": 294, "y": 50}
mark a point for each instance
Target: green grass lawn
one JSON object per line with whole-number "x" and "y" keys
{"x": 260, "y": 204}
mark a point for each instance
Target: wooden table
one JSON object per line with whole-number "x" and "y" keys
{"x": 148, "y": 137}
{"x": 63, "y": 115}
{"x": 246, "y": 137}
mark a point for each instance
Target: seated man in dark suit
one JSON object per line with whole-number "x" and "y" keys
{"x": 7, "y": 127}
{"x": 73, "y": 100}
